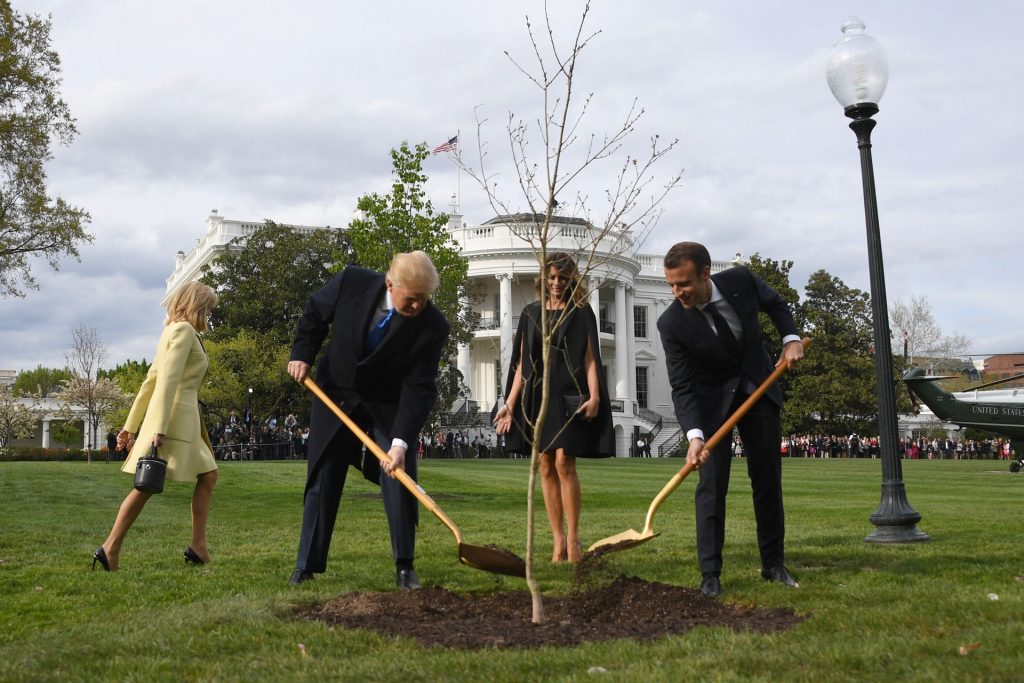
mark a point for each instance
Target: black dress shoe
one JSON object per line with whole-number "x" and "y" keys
{"x": 406, "y": 579}
{"x": 191, "y": 557}
{"x": 100, "y": 555}
{"x": 298, "y": 576}
{"x": 780, "y": 574}
{"x": 711, "y": 586}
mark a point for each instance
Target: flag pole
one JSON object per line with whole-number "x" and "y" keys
{"x": 458, "y": 172}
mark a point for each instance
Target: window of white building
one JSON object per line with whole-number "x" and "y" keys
{"x": 640, "y": 322}
{"x": 642, "y": 386}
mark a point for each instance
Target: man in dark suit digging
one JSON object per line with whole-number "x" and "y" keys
{"x": 381, "y": 367}
{"x": 716, "y": 359}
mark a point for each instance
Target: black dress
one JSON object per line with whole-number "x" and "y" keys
{"x": 575, "y": 327}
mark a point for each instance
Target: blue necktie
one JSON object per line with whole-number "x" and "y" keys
{"x": 377, "y": 333}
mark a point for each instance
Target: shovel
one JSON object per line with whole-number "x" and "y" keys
{"x": 489, "y": 559}
{"x": 632, "y": 538}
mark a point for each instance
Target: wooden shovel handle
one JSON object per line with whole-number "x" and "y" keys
{"x": 727, "y": 427}
{"x": 722, "y": 432}
{"x": 400, "y": 474}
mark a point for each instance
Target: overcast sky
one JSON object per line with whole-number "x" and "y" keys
{"x": 287, "y": 111}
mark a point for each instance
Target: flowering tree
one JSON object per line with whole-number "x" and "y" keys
{"x": 17, "y": 420}
{"x": 86, "y": 389}
{"x": 98, "y": 397}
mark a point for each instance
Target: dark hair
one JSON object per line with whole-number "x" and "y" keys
{"x": 688, "y": 251}
{"x": 566, "y": 267}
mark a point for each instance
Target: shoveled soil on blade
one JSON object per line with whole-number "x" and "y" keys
{"x": 628, "y": 607}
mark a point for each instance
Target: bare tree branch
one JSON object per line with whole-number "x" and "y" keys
{"x": 86, "y": 389}
{"x": 915, "y": 326}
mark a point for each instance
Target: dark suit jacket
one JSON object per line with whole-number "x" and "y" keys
{"x": 395, "y": 385}
{"x": 703, "y": 375}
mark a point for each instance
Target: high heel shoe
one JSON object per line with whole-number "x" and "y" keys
{"x": 191, "y": 557}
{"x": 100, "y": 555}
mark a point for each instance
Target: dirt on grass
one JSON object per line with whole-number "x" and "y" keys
{"x": 627, "y": 607}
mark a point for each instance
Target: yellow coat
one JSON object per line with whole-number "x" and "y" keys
{"x": 169, "y": 400}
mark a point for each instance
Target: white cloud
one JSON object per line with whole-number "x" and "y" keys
{"x": 287, "y": 111}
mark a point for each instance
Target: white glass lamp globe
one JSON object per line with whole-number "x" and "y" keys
{"x": 857, "y": 70}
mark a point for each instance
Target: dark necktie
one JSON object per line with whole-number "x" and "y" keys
{"x": 377, "y": 333}
{"x": 725, "y": 334}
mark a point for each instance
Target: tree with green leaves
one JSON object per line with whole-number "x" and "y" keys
{"x": 404, "y": 220}
{"x": 834, "y": 391}
{"x": 68, "y": 433}
{"x": 776, "y": 274}
{"x": 32, "y": 118}
{"x": 128, "y": 375}
{"x": 246, "y": 361}
{"x": 41, "y": 381}
{"x": 264, "y": 280}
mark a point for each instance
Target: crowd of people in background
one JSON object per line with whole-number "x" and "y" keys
{"x": 271, "y": 439}
{"x": 242, "y": 438}
{"x": 479, "y": 443}
{"x": 921, "y": 448}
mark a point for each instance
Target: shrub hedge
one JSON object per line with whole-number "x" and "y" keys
{"x": 39, "y": 454}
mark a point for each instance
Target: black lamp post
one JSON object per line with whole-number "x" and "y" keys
{"x": 857, "y": 75}
{"x": 250, "y": 420}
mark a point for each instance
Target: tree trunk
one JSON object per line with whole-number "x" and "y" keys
{"x": 537, "y": 603}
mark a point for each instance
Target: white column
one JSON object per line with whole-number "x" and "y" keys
{"x": 595, "y": 299}
{"x": 505, "y": 306}
{"x": 46, "y": 432}
{"x": 621, "y": 344}
{"x": 630, "y": 346}
{"x": 463, "y": 364}
{"x": 462, "y": 357}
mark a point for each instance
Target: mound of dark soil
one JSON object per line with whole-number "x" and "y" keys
{"x": 625, "y": 608}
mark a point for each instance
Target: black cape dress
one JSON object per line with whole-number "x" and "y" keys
{"x": 575, "y": 327}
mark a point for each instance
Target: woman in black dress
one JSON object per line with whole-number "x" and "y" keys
{"x": 577, "y": 421}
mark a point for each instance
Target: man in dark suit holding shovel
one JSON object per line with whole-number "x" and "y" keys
{"x": 381, "y": 367}
{"x": 716, "y": 359}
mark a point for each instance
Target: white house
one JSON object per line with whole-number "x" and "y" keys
{"x": 219, "y": 232}
{"x": 628, "y": 293}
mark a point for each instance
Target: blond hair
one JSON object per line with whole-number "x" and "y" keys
{"x": 191, "y": 303}
{"x": 414, "y": 270}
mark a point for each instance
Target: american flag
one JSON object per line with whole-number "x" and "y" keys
{"x": 450, "y": 146}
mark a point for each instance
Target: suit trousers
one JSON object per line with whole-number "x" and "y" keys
{"x": 761, "y": 432}
{"x": 324, "y": 484}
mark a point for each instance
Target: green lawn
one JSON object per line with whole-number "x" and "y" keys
{"x": 877, "y": 613}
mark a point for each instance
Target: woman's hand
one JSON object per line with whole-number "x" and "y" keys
{"x": 125, "y": 440}
{"x": 503, "y": 420}
{"x": 589, "y": 409}
{"x": 158, "y": 440}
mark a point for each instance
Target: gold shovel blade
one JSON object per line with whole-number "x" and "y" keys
{"x": 623, "y": 541}
{"x": 495, "y": 560}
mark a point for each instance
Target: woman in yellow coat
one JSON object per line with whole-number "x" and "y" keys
{"x": 166, "y": 415}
